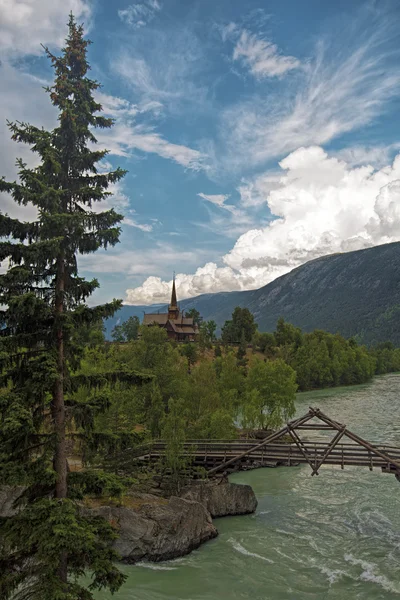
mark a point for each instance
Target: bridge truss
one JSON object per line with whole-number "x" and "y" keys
{"x": 356, "y": 451}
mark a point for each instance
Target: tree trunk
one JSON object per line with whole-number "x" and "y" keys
{"x": 58, "y": 408}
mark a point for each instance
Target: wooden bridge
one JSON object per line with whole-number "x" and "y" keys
{"x": 291, "y": 445}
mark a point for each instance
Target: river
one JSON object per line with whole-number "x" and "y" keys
{"x": 335, "y": 536}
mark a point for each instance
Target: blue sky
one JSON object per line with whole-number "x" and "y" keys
{"x": 257, "y": 135}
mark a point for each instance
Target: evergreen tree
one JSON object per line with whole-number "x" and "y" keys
{"x": 49, "y": 544}
{"x": 242, "y": 322}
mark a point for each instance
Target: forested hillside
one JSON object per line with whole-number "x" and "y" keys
{"x": 354, "y": 294}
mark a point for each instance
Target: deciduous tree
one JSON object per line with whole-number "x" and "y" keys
{"x": 127, "y": 331}
{"x": 270, "y": 394}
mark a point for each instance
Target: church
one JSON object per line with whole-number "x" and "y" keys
{"x": 178, "y": 327}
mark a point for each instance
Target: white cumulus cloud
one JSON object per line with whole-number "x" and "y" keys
{"x": 209, "y": 278}
{"x": 321, "y": 205}
{"x": 25, "y": 24}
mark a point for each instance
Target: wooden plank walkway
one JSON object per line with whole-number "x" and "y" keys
{"x": 289, "y": 446}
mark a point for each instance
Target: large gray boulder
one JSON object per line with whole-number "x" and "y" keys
{"x": 157, "y": 529}
{"x": 224, "y": 498}
{"x": 154, "y": 528}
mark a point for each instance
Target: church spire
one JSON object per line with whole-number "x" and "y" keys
{"x": 174, "y": 302}
{"x": 173, "y": 309}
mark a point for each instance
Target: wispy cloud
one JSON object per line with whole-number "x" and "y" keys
{"x": 217, "y": 199}
{"x": 229, "y": 222}
{"x": 146, "y": 227}
{"x": 166, "y": 65}
{"x": 128, "y": 135}
{"x": 262, "y": 56}
{"x": 349, "y": 81}
{"x": 140, "y": 13}
{"x": 377, "y": 156}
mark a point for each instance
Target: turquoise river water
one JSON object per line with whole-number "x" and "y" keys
{"x": 335, "y": 536}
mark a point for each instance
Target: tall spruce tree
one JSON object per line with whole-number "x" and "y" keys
{"x": 49, "y": 544}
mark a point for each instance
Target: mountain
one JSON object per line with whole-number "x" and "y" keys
{"x": 354, "y": 293}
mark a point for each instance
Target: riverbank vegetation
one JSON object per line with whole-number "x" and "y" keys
{"x": 222, "y": 386}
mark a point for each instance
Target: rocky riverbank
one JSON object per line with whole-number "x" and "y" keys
{"x": 153, "y": 528}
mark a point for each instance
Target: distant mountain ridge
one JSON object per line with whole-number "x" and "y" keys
{"x": 355, "y": 293}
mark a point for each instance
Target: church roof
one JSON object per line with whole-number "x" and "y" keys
{"x": 178, "y": 328}
{"x": 160, "y": 319}
{"x": 186, "y": 321}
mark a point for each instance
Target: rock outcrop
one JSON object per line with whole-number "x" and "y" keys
{"x": 153, "y": 528}
{"x": 223, "y": 499}
{"x": 158, "y": 529}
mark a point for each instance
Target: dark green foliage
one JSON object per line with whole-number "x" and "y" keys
{"x": 242, "y": 351}
{"x": 174, "y": 425}
{"x": 45, "y": 326}
{"x": 217, "y": 351}
{"x": 44, "y": 530}
{"x": 321, "y": 359}
{"x": 241, "y": 324}
{"x": 207, "y": 334}
{"x": 286, "y": 334}
{"x": 189, "y": 350}
{"x": 153, "y": 357}
{"x": 89, "y": 334}
{"x": 387, "y": 358}
{"x": 264, "y": 342}
{"x": 95, "y": 483}
{"x": 127, "y": 331}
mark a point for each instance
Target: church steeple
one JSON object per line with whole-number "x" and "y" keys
{"x": 173, "y": 309}
{"x": 173, "y": 295}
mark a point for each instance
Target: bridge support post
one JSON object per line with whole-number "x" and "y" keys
{"x": 331, "y": 446}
